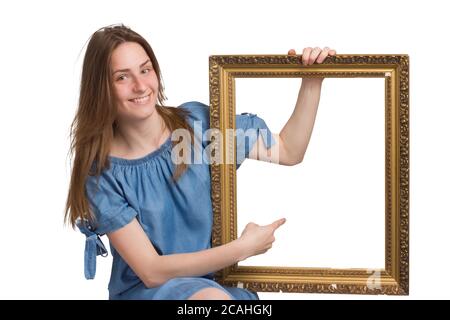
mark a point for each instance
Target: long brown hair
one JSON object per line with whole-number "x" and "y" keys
{"x": 94, "y": 124}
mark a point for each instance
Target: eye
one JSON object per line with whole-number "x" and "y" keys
{"x": 121, "y": 77}
{"x": 147, "y": 70}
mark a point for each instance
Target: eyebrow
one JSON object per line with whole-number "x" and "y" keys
{"x": 125, "y": 70}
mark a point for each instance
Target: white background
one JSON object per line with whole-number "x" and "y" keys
{"x": 41, "y": 55}
{"x": 334, "y": 201}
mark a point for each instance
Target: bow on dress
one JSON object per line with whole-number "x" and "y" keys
{"x": 93, "y": 248}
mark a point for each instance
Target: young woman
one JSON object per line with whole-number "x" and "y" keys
{"x": 157, "y": 212}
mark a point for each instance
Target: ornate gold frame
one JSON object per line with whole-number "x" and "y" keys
{"x": 394, "y": 279}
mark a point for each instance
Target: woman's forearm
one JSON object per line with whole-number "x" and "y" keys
{"x": 202, "y": 262}
{"x": 297, "y": 131}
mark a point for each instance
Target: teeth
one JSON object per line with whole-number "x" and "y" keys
{"x": 140, "y": 100}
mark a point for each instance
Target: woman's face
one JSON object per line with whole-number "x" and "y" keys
{"x": 134, "y": 81}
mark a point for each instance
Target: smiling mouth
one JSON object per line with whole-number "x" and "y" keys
{"x": 140, "y": 100}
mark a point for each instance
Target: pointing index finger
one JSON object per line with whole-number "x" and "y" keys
{"x": 279, "y": 223}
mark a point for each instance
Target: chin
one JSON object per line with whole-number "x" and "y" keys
{"x": 138, "y": 113}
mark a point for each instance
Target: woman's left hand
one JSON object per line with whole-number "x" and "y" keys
{"x": 310, "y": 55}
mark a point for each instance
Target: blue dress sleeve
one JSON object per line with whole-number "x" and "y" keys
{"x": 111, "y": 211}
{"x": 108, "y": 203}
{"x": 248, "y": 128}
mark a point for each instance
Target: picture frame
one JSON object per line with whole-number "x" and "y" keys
{"x": 393, "y": 279}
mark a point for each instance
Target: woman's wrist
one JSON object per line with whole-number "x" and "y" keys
{"x": 312, "y": 82}
{"x": 241, "y": 250}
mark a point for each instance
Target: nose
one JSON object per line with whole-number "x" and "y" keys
{"x": 139, "y": 85}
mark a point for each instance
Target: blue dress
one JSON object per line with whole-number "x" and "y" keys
{"x": 177, "y": 218}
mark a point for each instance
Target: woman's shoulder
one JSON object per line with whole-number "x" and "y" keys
{"x": 106, "y": 180}
{"x": 195, "y": 105}
{"x": 197, "y": 110}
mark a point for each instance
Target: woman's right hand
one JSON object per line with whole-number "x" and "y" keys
{"x": 256, "y": 239}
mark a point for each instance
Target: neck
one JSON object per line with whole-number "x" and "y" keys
{"x": 140, "y": 137}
